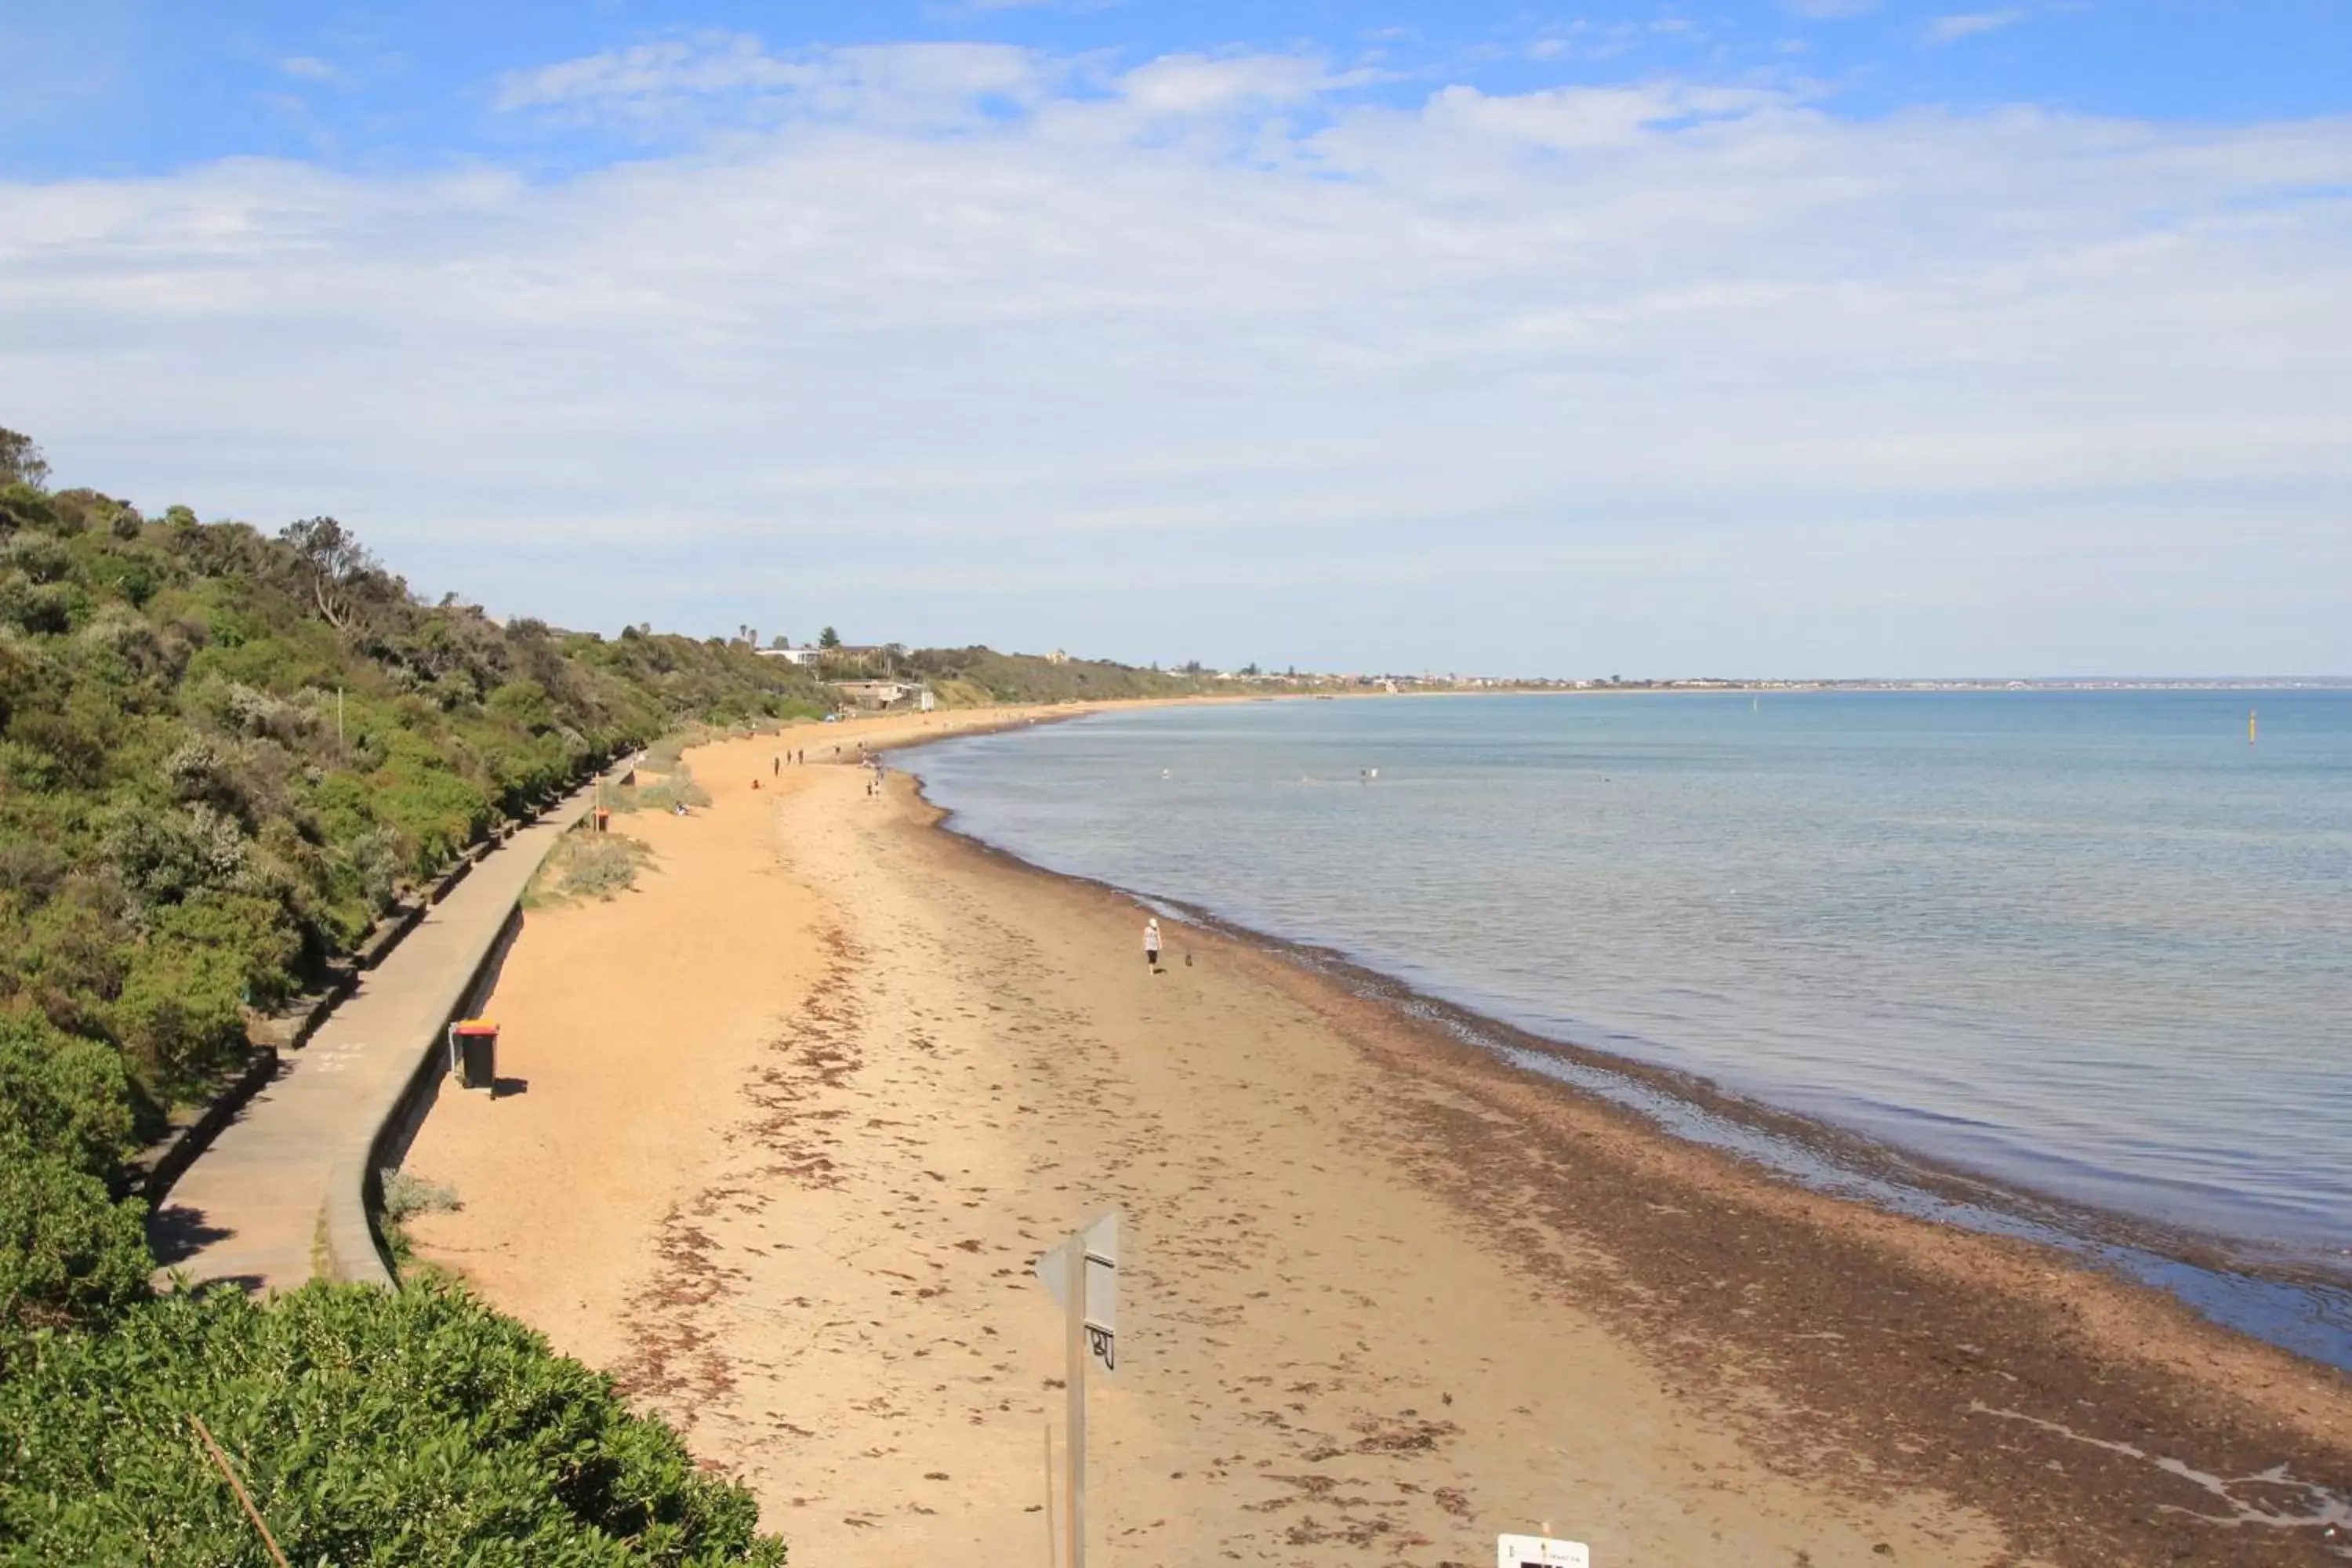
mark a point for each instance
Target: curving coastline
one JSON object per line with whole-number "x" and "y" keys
{"x": 2295, "y": 1291}
{"x": 2091, "y": 1311}
{"x": 895, "y": 1059}
{"x": 2302, "y": 1311}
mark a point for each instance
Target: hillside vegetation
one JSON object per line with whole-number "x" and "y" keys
{"x": 976, "y": 677}
{"x": 222, "y": 755}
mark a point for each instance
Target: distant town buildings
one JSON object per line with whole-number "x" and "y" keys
{"x": 886, "y": 694}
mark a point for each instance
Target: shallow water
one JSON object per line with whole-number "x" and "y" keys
{"x": 2091, "y": 944}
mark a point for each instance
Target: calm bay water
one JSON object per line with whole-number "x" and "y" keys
{"x": 2090, "y": 944}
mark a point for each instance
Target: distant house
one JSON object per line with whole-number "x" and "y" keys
{"x": 801, "y": 655}
{"x": 887, "y": 693}
{"x": 1058, "y": 657}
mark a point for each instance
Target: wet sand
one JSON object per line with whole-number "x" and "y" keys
{"x": 803, "y": 1110}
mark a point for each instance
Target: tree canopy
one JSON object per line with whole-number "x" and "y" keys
{"x": 21, "y": 462}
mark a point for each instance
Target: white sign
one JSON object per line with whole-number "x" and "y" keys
{"x": 1540, "y": 1551}
{"x": 1101, "y": 1242}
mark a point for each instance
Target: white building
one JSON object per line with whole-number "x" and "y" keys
{"x": 801, "y": 655}
{"x": 887, "y": 693}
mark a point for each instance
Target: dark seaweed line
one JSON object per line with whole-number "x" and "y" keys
{"x": 2297, "y": 1308}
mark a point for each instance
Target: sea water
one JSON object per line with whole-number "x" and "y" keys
{"x": 2092, "y": 944}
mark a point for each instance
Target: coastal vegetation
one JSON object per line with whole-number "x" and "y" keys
{"x": 666, "y": 792}
{"x": 978, "y": 676}
{"x": 224, "y": 756}
{"x": 585, "y": 865}
{"x": 368, "y": 1426}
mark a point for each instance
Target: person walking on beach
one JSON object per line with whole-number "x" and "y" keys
{"x": 1151, "y": 944}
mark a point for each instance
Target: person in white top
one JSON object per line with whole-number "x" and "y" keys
{"x": 1151, "y": 944}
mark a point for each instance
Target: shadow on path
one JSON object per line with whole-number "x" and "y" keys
{"x": 177, "y": 1232}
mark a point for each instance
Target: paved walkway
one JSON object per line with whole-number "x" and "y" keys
{"x": 249, "y": 1209}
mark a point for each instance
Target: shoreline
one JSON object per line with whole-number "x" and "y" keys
{"x": 1835, "y": 1161}
{"x": 2299, "y": 1304}
{"x": 1685, "y": 1355}
{"x": 2149, "y": 1323}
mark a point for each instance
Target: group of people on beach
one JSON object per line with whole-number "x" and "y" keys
{"x": 798, "y": 757}
{"x": 776, "y": 764}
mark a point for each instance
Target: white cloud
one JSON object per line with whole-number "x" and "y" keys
{"x": 644, "y": 72}
{"x": 1198, "y": 84}
{"x": 309, "y": 68}
{"x": 1952, "y": 29}
{"x": 1551, "y": 354}
{"x": 649, "y": 80}
{"x": 1565, "y": 118}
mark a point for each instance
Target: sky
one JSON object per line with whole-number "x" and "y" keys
{"x": 1760, "y": 337}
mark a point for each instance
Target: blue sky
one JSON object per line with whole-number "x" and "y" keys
{"x": 126, "y": 87}
{"x": 1805, "y": 337}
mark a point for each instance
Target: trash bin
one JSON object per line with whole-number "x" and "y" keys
{"x": 603, "y": 819}
{"x": 474, "y": 1053}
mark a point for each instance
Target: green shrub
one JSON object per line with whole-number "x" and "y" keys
{"x": 523, "y": 704}
{"x": 672, "y": 789}
{"x": 65, "y": 1095}
{"x": 69, "y": 1252}
{"x": 585, "y": 865}
{"x": 604, "y": 865}
{"x": 164, "y": 857}
{"x": 406, "y": 1195}
{"x": 369, "y": 1428}
{"x": 251, "y": 933}
{"x": 75, "y": 945}
{"x": 41, "y": 558}
{"x": 180, "y": 1013}
{"x": 376, "y": 862}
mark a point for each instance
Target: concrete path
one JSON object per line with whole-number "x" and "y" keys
{"x": 249, "y": 1209}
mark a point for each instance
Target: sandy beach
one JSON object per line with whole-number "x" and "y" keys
{"x": 795, "y": 1118}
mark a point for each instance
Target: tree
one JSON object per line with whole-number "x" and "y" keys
{"x": 828, "y": 639}
{"x": 336, "y": 563}
{"x": 779, "y": 640}
{"x": 1250, "y": 668}
{"x": 21, "y": 462}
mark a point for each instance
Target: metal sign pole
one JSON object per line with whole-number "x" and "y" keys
{"x": 1074, "y": 1440}
{"x": 1052, "y": 1557}
{"x": 1091, "y": 1328}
